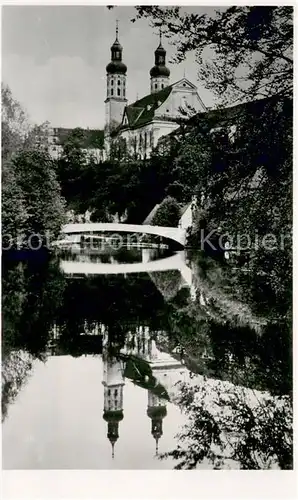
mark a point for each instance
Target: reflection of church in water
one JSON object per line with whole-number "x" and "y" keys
{"x": 140, "y": 344}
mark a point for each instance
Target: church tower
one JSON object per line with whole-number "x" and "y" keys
{"x": 116, "y": 89}
{"x": 156, "y": 411}
{"x": 159, "y": 73}
{"x": 113, "y": 382}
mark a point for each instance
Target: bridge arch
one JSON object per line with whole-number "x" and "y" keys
{"x": 173, "y": 233}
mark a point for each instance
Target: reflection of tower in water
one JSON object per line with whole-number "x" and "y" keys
{"x": 113, "y": 381}
{"x": 156, "y": 411}
{"x": 139, "y": 342}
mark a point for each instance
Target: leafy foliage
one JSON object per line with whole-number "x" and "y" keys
{"x": 31, "y": 199}
{"x": 230, "y": 427}
{"x": 241, "y": 51}
{"x": 168, "y": 213}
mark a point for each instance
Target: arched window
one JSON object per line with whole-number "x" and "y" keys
{"x": 155, "y": 86}
{"x": 119, "y": 82}
{"x": 123, "y": 92}
{"x": 118, "y": 91}
{"x": 112, "y": 91}
{"x": 112, "y": 83}
{"x": 162, "y": 85}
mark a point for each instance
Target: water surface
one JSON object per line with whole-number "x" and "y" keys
{"x": 102, "y": 350}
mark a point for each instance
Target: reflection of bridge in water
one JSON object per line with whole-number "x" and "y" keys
{"x": 174, "y": 262}
{"x": 173, "y": 233}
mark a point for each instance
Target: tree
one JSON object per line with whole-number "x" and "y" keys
{"x": 18, "y": 133}
{"x": 31, "y": 201}
{"x": 14, "y": 210}
{"x": 168, "y": 213}
{"x": 242, "y": 52}
{"x": 232, "y": 427}
{"x": 71, "y": 167}
{"x": 15, "y": 123}
{"x": 36, "y": 176}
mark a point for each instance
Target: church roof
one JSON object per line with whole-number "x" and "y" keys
{"x": 142, "y": 111}
{"x": 184, "y": 208}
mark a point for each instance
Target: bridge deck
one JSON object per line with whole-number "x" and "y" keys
{"x": 174, "y": 233}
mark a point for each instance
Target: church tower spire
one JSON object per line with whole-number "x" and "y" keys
{"x": 159, "y": 73}
{"x": 156, "y": 411}
{"x": 113, "y": 382}
{"x": 116, "y": 89}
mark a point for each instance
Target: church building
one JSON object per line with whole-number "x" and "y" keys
{"x": 135, "y": 127}
{"x": 141, "y": 124}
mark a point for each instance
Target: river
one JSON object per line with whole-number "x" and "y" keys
{"x": 142, "y": 359}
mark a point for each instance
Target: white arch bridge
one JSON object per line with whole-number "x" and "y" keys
{"x": 176, "y": 234}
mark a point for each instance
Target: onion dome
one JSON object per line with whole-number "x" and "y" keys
{"x": 113, "y": 418}
{"x": 160, "y": 69}
{"x": 156, "y": 411}
{"x": 116, "y": 65}
{"x": 113, "y": 415}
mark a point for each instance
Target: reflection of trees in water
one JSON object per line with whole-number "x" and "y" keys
{"x": 168, "y": 283}
{"x": 230, "y": 427}
{"x": 221, "y": 337}
{"x": 32, "y": 292}
{"x": 248, "y": 343}
{"x": 112, "y": 300}
{"x": 16, "y": 369}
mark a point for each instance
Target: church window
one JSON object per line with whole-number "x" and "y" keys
{"x": 184, "y": 85}
{"x": 119, "y": 82}
{"x": 112, "y": 91}
{"x": 162, "y": 85}
{"x": 112, "y": 83}
{"x": 117, "y": 54}
{"x": 116, "y": 392}
{"x": 109, "y": 392}
{"x": 123, "y": 92}
{"x": 118, "y": 91}
{"x": 155, "y": 86}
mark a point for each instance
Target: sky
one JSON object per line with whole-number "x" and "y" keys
{"x": 54, "y": 59}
